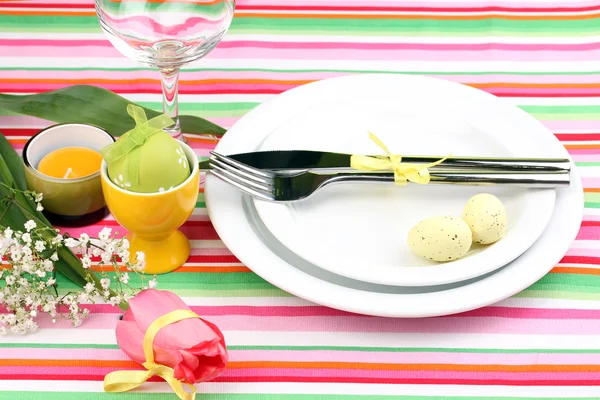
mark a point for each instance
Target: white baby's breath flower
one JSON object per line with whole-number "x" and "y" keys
{"x": 30, "y": 326}
{"x": 124, "y": 244}
{"x": 114, "y": 300}
{"x": 50, "y": 307}
{"x": 83, "y": 297}
{"x": 16, "y": 254}
{"x": 26, "y": 250}
{"x": 70, "y": 242}
{"x": 26, "y": 237}
{"x": 105, "y": 233}
{"x": 48, "y": 266}
{"x": 29, "y": 225}
{"x": 30, "y": 289}
{"x": 39, "y": 197}
{"x": 57, "y": 239}
{"x": 124, "y": 278}
{"x": 39, "y": 207}
{"x": 152, "y": 283}
{"x": 5, "y": 244}
{"x": 106, "y": 257}
{"x": 39, "y": 246}
{"x": 124, "y": 256}
{"x": 16, "y": 298}
{"x": 89, "y": 287}
{"x": 84, "y": 238}
{"x": 86, "y": 261}
{"x": 26, "y": 268}
{"x": 140, "y": 264}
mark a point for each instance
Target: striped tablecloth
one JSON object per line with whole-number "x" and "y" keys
{"x": 541, "y": 55}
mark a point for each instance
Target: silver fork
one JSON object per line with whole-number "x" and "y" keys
{"x": 271, "y": 186}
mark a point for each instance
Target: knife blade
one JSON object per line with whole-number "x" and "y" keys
{"x": 286, "y": 160}
{"x": 289, "y": 159}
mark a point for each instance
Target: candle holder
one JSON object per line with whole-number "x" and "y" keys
{"x": 67, "y": 202}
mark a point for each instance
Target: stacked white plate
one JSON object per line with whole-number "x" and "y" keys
{"x": 345, "y": 246}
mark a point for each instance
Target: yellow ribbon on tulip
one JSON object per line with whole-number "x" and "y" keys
{"x": 403, "y": 172}
{"x": 122, "y": 381}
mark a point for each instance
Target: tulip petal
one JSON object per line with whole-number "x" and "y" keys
{"x": 130, "y": 340}
{"x": 183, "y": 372}
{"x": 150, "y": 304}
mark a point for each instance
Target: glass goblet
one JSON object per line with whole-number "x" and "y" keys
{"x": 165, "y": 34}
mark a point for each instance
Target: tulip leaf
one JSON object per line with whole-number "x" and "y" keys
{"x": 93, "y": 105}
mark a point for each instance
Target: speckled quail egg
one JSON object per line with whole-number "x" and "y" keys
{"x": 443, "y": 238}
{"x": 485, "y": 215}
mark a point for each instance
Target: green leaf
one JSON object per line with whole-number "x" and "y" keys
{"x": 13, "y": 162}
{"x": 93, "y": 105}
{"x": 13, "y": 216}
{"x": 70, "y": 266}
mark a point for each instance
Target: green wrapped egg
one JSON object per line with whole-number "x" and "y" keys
{"x": 146, "y": 159}
{"x": 162, "y": 166}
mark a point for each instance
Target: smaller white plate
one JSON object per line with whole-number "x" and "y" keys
{"x": 359, "y": 231}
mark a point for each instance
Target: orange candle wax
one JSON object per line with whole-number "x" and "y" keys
{"x": 70, "y": 162}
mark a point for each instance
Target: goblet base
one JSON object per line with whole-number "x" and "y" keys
{"x": 164, "y": 254}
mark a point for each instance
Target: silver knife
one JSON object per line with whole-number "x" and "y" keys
{"x": 286, "y": 160}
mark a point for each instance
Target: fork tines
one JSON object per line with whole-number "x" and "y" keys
{"x": 251, "y": 180}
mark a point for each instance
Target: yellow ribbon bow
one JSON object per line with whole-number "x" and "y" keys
{"x": 403, "y": 172}
{"x": 134, "y": 138}
{"x": 122, "y": 381}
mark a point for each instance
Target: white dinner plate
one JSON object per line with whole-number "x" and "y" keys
{"x": 359, "y": 231}
{"x": 236, "y": 221}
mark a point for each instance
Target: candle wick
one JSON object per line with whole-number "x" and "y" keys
{"x": 68, "y": 173}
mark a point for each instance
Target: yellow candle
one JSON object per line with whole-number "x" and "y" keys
{"x": 70, "y": 162}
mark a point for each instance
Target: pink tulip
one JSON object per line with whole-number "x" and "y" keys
{"x": 194, "y": 348}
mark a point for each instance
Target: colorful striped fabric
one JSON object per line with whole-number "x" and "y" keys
{"x": 541, "y": 55}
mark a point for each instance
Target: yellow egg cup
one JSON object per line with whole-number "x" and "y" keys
{"x": 153, "y": 219}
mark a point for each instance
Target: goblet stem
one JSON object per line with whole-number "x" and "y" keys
{"x": 169, "y": 80}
